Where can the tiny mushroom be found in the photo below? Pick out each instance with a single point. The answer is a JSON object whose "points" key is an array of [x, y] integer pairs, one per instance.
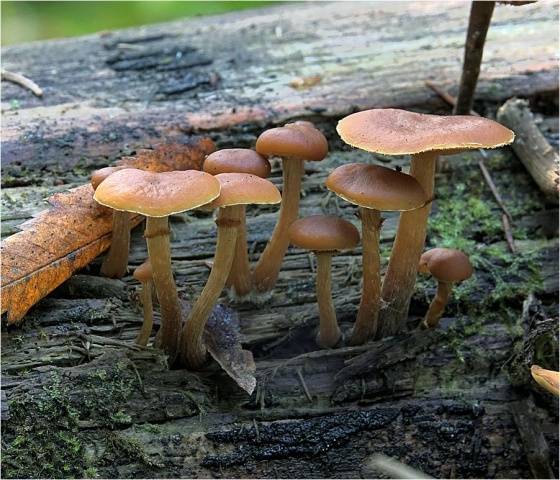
{"points": [[425, 137], [116, 261], [293, 143], [239, 160], [144, 275], [237, 190], [447, 266], [156, 196], [325, 235], [373, 188], [548, 379]]}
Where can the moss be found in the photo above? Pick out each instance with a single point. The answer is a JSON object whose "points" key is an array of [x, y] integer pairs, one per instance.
{"points": [[42, 438]]}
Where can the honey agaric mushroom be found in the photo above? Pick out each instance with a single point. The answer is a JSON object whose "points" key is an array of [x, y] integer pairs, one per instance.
{"points": [[373, 189], [548, 379], [237, 190], [156, 196], [115, 263], [447, 266], [144, 275], [238, 160], [425, 137], [325, 235], [293, 143]]}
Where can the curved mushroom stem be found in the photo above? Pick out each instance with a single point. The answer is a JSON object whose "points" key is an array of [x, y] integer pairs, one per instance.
{"points": [[270, 261], [435, 311], [147, 307], [400, 278], [366, 320], [329, 333], [116, 261], [240, 276], [157, 239], [193, 350]]}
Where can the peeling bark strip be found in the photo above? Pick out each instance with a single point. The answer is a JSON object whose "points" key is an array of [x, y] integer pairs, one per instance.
{"points": [[102, 98]]}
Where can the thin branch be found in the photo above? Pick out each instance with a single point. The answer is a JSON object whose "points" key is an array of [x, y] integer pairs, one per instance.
{"points": [[22, 81]]}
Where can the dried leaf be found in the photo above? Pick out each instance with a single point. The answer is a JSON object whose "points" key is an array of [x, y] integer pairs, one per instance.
{"points": [[57, 242], [548, 379], [224, 345]]}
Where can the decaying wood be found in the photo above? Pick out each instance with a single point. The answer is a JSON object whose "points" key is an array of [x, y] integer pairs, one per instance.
{"points": [[82, 398], [530, 145]]}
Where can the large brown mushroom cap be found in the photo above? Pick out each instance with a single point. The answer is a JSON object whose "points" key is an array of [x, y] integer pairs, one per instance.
{"points": [[375, 187], [237, 160], [157, 194], [446, 264], [143, 273], [399, 132], [244, 189], [299, 140], [324, 233], [98, 176]]}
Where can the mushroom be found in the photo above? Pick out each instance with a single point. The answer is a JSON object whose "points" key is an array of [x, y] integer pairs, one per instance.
{"points": [[447, 266], [293, 143], [373, 188], [144, 275], [548, 379], [325, 235], [115, 263], [239, 160], [156, 196], [398, 132], [237, 190]]}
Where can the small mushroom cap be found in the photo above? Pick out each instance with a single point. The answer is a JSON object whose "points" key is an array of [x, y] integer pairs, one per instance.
{"points": [[294, 140], [244, 189], [446, 265], [98, 176], [237, 160], [157, 194], [548, 379], [375, 187], [324, 233], [399, 132], [144, 272]]}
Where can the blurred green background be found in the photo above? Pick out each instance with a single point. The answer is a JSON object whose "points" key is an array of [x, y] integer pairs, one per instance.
{"points": [[27, 21]]}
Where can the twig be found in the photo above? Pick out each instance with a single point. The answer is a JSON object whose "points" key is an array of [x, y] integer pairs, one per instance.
{"points": [[22, 81], [506, 217], [304, 385]]}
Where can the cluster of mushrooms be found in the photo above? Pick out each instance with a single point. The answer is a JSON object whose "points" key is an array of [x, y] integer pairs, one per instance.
{"points": [[234, 178]]}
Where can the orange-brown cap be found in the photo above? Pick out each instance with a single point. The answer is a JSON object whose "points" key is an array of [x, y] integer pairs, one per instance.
{"points": [[548, 379], [294, 140], [324, 233], [446, 264], [375, 187], [398, 132], [144, 272], [237, 160], [244, 189], [98, 176], [157, 194]]}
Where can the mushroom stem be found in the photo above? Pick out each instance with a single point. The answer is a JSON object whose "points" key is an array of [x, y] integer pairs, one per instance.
{"points": [[157, 239], [329, 333], [270, 261], [116, 261], [193, 350], [367, 318], [147, 307], [479, 21], [400, 278], [240, 275], [435, 311]]}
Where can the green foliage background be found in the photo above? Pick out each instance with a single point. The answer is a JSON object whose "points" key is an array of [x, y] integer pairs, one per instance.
{"points": [[27, 21]]}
